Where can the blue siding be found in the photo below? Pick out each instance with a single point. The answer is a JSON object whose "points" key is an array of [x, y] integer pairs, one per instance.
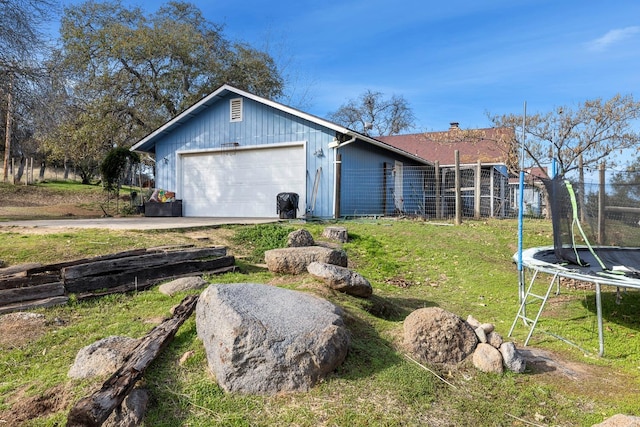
{"points": [[367, 182], [262, 125]]}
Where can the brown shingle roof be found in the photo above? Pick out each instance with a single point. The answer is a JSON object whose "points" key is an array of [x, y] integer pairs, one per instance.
{"points": [[473, 145]]}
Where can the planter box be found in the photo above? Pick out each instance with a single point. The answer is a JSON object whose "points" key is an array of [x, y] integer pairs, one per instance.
{"points": [[163, 209]]}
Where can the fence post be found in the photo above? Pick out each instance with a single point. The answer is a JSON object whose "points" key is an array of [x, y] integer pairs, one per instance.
{"points": [[458, 190], [476, 192], [601, 201], [338, 191], [385, 171], [436, 171]]}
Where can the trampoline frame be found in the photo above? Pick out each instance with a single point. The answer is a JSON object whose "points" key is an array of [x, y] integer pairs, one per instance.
{"points": [[556, 271]]}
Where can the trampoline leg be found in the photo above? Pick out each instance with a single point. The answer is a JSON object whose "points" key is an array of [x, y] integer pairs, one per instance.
{"points": [[521, 286], [599, 314]]}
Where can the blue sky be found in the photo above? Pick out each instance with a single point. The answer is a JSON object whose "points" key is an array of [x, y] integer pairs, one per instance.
{"points": [[452, 60]]}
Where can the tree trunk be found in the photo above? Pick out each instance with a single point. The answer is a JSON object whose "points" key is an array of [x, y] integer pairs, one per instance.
{"points": [[43, 166], [20, 171], [93, 410], [7, 142], [66, 169]]}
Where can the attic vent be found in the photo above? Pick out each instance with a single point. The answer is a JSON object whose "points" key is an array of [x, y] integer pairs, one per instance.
{"points": [[236, 109]]}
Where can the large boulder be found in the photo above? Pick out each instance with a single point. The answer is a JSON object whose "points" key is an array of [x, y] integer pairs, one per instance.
{"points": [[295, 260], [261, 339], [435, 335], [341, 279], [103, 357]]}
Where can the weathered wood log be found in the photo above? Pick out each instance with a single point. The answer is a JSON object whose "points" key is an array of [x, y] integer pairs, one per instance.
{"points": [[30, 305], [140, 287], [143, 276], [27, 293], [21, 280], [171, 247], [139, 262], [93, 410], [18, 269], [60, 265]]}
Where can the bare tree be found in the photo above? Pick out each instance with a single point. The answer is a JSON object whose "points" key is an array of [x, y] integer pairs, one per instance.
{"points": [[22, 44], [575, 138], [372, 114]]}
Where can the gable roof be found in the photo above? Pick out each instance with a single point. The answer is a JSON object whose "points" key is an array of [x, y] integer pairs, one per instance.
{"points": [[474, 145], [147, 143]]}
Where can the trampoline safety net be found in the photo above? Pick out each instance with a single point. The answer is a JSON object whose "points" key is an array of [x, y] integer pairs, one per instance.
{"points": [[582, 218]]}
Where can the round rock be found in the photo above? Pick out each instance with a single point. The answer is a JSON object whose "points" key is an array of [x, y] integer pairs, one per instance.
{"points": [[103, 357], [299, 238], [487, 358], [435, 335]]}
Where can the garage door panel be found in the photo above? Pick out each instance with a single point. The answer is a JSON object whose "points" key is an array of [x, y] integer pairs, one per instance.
{"points": [[242, 183]]}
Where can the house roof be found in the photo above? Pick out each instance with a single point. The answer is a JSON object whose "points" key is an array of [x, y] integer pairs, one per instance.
{"points": [[473, 145], [147, 144], [532, 175]]}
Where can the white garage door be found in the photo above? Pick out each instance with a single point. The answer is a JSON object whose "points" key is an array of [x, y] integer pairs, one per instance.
{"points": [[242, 183]]}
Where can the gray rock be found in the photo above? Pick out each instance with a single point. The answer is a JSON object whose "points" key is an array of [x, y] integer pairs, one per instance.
{"points": [[620, 420], [103, 357], [182, 284], [487, 358], [296, 260], [481, 334], [435, 335], [488, 327], [131, 412], [473, 322], [341, 279], [300, 238], [262, 339], [336, 233], [511, 358], [495, 339]]}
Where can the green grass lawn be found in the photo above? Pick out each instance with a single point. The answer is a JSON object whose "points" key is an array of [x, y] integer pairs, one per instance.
{"points": [[465, 269]]}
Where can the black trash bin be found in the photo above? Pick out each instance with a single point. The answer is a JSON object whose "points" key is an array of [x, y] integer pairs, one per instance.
{"points": [[287, 205]]}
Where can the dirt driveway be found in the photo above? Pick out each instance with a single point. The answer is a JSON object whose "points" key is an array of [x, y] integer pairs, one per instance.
{"points": [[134, 223]]}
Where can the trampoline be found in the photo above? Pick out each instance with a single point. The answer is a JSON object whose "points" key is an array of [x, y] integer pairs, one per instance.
{"points": [[623, 273], [573, 257]]}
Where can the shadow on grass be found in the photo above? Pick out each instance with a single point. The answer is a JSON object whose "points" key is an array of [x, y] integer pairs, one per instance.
{"points": [[392, 309], [621, 308], [369, 353]]}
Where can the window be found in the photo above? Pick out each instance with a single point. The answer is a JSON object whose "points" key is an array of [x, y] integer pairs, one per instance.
{"points": [[236, 109]]}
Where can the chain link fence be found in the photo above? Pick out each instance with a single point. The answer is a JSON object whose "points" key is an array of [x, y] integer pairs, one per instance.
{"points": [[609, 205], [430, 193]]}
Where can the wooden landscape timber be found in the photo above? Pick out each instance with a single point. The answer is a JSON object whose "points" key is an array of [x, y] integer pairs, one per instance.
{"points": [[94, 409], [38, 285]]}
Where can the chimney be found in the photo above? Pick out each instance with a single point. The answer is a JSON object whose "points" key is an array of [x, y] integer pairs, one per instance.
{"points": [[454, 126]]}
